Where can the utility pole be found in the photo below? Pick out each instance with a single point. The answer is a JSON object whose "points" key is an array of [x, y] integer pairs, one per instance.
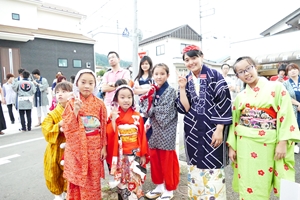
{"points": [[134, 42], [118, 36], [200, 25]]}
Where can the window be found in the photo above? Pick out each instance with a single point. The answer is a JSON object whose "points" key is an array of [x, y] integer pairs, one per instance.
{"points": [[160, 50], [15, 16], [182, 46], [77, 63], [62, 62]]}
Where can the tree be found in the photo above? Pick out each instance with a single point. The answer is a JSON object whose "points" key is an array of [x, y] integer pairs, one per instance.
{"points": [[101, 72]]}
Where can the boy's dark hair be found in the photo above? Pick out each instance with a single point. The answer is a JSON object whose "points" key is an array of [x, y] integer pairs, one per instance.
{"points": [[8, 76], [67, 86], [21, 70], [25, 74], [72, 78], [282, 67], [111, 52], [36, 71], [120, 82]]}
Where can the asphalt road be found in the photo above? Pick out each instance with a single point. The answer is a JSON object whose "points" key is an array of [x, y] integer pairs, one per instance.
{"points": [[21, 168]]}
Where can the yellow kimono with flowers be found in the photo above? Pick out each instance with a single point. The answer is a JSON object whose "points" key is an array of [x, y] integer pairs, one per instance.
{"points": [[53, 171], [262, 117]]}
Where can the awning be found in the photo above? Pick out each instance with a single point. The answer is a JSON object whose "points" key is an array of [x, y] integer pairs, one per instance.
{"points": [[278, 57]]}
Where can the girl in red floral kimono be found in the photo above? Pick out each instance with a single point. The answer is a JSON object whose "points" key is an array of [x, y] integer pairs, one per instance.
{"points": [[127, 145], [84, 125]]}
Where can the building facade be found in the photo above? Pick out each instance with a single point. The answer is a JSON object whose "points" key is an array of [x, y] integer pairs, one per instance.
{"points": [[37, 35]]}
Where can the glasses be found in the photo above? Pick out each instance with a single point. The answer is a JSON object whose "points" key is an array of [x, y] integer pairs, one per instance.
{"points": [[242, 72]]}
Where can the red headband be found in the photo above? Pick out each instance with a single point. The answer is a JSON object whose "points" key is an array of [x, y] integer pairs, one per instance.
{"points": [[190, 48]]}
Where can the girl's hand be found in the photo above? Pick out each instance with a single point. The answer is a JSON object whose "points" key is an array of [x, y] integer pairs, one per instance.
{"points": [[60, 124], [217, 137], [232, 155], [298, 107], [103, 153], [182, 81], [142, 160], [280, 151], [114, 112], [77, 105]]}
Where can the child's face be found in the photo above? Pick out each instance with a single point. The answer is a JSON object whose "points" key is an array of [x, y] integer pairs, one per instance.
{"points": [[86, 84], [160, 75], [125, 98], [62, 96], [145, 66]]}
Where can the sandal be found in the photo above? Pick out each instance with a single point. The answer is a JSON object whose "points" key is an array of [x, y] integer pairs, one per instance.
{"points": [[152, 195], [2, 133], [165, 198]]}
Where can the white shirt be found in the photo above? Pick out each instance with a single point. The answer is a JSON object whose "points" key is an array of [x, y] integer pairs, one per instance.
{"points": [[9, 94]]}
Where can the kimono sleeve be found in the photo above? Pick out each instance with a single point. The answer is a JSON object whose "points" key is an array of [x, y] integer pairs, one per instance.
{"points": [[142, 138], [165, 111], [71, 123], [44, 86], [232, 140], [286, 123], [221, 113], [50, 130]]}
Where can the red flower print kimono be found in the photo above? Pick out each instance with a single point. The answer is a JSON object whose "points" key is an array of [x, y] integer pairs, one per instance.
{"points": [[262, 117]]}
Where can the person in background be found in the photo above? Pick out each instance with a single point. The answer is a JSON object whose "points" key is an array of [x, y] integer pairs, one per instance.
{"points": [[281, 77], [9, 96], [20, 77], [55, 82], [72, 78], [51, 128], [40, 99], [205, 101], [230, 82], [25, 89], [2, 119], [292, 85], [143, 80], [110, 77], [262, 135]]}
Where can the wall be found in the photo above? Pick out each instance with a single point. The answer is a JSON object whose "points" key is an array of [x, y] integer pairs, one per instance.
{"points": [[43, 54], [27, 12]]}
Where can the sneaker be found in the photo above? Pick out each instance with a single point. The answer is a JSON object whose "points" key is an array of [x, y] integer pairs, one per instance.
{"points": [[2, 133], [296, 149], [20, 129]]}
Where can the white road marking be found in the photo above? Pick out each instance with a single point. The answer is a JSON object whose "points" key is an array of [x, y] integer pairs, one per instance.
{"points": [[6, 160], [17, 143]]}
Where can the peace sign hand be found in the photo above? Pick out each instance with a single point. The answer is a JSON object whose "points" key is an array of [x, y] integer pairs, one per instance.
{"points": [[182, 81]]}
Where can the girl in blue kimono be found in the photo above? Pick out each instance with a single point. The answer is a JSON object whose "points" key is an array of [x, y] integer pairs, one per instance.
{"points": [[204, 99]]}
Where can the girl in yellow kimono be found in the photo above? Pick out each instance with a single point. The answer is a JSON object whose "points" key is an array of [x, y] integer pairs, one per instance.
{"points": [[51, 125], [262, 135]]}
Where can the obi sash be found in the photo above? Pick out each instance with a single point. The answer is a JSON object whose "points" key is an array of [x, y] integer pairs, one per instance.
{"points": [[260, 118]]}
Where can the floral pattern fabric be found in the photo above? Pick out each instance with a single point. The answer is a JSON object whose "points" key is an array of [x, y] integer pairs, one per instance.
{"points": [[206, 183]]}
